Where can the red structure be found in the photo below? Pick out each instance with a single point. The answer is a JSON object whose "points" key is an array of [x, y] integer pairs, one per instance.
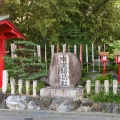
{"points": [[104, 59], [7, 31], [117, 60]]}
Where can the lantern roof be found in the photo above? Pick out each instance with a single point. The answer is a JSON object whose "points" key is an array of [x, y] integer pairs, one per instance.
{"points": [[104, 54], [118, 53], [4, 17], [8, 29]]}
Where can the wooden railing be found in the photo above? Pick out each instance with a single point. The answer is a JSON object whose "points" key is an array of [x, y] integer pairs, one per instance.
{"points": [[106, 86], [20, 85]]}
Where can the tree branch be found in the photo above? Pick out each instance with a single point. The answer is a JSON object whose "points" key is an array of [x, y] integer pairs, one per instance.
{"points": [[97, 9]]}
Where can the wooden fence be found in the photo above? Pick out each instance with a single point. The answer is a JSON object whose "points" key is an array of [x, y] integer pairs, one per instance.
{"points": [[20, 84], [106, 87], [97, 86], [64, 49]]}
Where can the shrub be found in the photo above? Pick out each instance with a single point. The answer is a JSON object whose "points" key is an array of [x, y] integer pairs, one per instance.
{"points": [[109, 76], [104, 97], [83, 80], [39, 86], [84, 72], [8, 89], [102, 78], [116, 68]]}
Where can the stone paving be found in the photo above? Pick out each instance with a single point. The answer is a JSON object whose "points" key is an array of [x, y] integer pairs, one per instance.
{"points": [[54, 115]]}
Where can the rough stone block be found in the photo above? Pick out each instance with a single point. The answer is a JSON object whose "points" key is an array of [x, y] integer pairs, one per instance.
{"points": [[52, 92], [68, 64]]}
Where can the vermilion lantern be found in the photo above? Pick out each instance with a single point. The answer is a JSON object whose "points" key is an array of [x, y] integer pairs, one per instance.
{"points": [[117, 60], [104, 58]]}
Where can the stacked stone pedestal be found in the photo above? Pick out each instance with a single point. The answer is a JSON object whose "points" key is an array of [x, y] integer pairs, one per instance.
{"points": [[52, 92], [64, 74]]}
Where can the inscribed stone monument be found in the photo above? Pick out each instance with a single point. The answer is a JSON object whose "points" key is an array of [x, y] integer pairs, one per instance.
{"points": [[64, 74]]}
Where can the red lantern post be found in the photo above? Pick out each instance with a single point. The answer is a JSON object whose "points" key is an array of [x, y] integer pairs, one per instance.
{"points": [[117, 60], [104, 59]]}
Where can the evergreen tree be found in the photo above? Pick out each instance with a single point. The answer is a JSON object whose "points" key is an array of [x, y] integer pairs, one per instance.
{"points": [[27, 65]]}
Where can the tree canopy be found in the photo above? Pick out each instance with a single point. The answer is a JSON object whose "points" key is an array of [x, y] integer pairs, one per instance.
{"points": [[65, 21]]}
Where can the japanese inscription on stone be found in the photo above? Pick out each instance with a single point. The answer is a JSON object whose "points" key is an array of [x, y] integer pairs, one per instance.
{"points": [[64, 70]]}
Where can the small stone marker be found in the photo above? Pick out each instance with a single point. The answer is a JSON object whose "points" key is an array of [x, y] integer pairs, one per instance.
{"points": [[115, 87], [5, 81], [88, 85], [27, 87], [34, 88], [97, 86], [12, 82], [20, 84], [106, 86]]}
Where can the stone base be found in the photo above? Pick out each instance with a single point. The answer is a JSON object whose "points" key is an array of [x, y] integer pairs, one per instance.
{"points": [[53, 92]]}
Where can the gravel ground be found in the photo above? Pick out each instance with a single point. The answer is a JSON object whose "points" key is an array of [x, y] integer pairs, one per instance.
{"points": [[54, 115]]}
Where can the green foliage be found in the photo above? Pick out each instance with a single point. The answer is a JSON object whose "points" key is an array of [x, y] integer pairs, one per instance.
{"points": [[23, 90], [31, 90], [84, 72], [104, 97], [102, 78], [116, 69], [39, 86], [0, 89], [83, 80], [26, 65], [65, 21], [8, 89], [109, 76]]}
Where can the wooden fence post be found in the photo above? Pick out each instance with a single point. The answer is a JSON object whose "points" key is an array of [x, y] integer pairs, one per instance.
{"points": [[88, 86], [34, 88], [12, 82], [115, 87], [97, 86], [20, 85], [106, 86], [27, 87], [5, 81]]}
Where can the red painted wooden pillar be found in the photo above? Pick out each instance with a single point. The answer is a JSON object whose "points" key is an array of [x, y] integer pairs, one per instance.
{"points": [[2, 52], [117, 60], [119, 72], [104, 59], [104, 67]]}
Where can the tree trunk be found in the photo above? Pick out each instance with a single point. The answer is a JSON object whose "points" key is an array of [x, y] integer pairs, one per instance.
{"points": [[1, 2]]}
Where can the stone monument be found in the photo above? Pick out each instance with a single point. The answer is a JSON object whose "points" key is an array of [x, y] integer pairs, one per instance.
{"points": [[64, 74]]}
